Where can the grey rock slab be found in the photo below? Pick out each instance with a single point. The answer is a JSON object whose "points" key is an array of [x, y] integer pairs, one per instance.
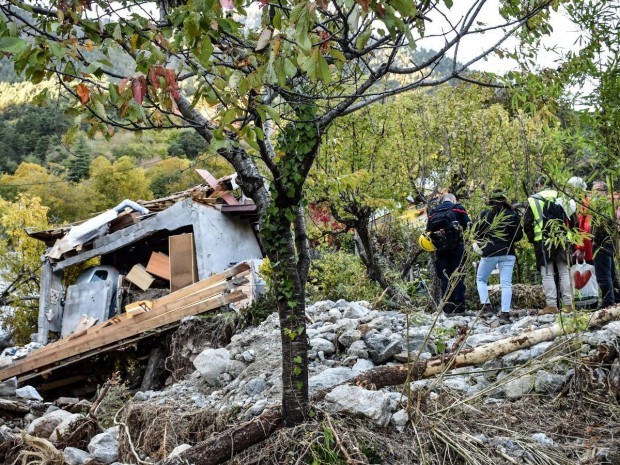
{"points": [[8, 387], [539, 349], [104, 447], [358, 349], [362, 365], [519, 387], [355, 311], [548, 383], [44, 426], [330, 377], [211, 363], [322, 345], [74, 456], [349, 337], [354, 400], [28, 393], [334, 314], [255, 386]]}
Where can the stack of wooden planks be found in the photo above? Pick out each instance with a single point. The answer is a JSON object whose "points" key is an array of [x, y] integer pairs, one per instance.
{"points": [[209, 294]]}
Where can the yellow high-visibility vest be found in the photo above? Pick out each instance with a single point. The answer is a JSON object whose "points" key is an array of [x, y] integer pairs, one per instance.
{"points": [[536, 203]]}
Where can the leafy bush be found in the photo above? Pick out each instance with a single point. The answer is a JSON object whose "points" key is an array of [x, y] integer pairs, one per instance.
{"points": [[339, 275]]}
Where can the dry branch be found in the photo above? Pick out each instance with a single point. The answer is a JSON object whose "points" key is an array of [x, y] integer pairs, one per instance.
{"points": [[225, 445]]}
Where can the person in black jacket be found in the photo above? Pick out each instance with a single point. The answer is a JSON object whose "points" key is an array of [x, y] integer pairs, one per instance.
{"points": [[448, 261], [604, 248], [496, 232]]}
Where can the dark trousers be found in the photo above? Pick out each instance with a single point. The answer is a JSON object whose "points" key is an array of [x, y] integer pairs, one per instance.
{"points": [[606, 277], [446, 263]]}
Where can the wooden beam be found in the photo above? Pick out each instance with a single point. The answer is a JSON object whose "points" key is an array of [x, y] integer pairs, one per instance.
{"points": [[226, 197], [113, 334]]}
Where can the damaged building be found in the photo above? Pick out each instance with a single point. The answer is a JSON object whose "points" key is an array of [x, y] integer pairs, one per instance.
{"points": [[142, 266]]}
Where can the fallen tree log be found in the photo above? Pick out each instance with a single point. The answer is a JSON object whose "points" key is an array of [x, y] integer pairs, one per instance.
{"points": [[222, 446]]}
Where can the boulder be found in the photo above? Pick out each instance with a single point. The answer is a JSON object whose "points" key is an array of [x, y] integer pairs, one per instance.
{"points": [[358, 349], [319, 344], [28, 393], [330, 377], [354, 400], [74, 456], [400, 419], [381, 348], [349, 337], [104, 447], [211, 363], [548, 383], [255, 386], [519, 387], [362, 365], [44, 426], [355, 311], [8, 387], [65, 427]]}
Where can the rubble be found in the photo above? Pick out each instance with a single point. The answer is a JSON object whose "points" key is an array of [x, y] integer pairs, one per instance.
{"points": [[243, 379]]}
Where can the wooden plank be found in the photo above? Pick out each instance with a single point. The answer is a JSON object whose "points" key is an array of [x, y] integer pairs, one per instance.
{"points": [[159, 265], [161, 304], [114, 334], [140, 277], [182, 261], [226, 197]]}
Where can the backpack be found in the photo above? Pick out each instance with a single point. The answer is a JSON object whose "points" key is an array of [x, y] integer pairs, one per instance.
{"points": [[551, 210], [445, 230]]}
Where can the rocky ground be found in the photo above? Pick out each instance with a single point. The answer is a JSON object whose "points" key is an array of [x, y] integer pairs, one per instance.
{"points": [[239, 381]]}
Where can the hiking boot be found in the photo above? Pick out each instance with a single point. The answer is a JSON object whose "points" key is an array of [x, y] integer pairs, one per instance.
{"points": [[487, 311], [504, 318], [549, 310]]}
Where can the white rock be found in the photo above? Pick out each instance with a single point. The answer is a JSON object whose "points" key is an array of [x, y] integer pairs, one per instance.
{"points": [[543, 439], [29, 393], [104, 447], [178, 450], [44, 426], [354, 400], [362, 365], [211, 363], [355, 311], [400, 419], [65, 427], [322, 345], [330, 377]]}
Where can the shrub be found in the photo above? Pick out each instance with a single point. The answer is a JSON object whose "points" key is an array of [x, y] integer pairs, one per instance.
{"points": [[339, 275]]}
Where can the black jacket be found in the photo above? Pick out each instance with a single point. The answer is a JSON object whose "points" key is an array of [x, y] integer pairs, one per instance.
{"points": [[501, 239]]}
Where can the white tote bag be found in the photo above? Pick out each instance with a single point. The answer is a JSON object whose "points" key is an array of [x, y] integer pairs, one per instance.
{"points": [[585, 287]]}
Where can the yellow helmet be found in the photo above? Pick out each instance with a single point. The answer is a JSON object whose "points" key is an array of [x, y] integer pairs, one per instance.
{"points": [[425, 243]]}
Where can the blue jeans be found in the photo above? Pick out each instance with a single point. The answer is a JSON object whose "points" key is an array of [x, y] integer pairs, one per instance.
{"points": [[505, 263], [447, 263]]}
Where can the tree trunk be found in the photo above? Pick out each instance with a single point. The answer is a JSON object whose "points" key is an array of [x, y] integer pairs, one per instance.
{"points": [[371, 261], [258, 430], [289, 287]]}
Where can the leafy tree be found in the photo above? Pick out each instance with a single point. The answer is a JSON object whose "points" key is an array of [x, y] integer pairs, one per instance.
{"points": [[20, 262], [188, 144], [307, 64], [115, 182], [66, 201]]}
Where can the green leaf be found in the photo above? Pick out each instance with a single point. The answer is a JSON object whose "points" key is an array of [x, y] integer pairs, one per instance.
{"points": [[12, 44], [362, 40], [297, 359]]}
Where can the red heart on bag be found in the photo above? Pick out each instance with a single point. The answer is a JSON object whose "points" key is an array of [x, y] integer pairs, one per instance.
{"points": [[581, 279]]}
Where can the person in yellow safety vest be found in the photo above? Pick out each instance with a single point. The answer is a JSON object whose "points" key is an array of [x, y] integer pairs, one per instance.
{"points": [[542, 207]]}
